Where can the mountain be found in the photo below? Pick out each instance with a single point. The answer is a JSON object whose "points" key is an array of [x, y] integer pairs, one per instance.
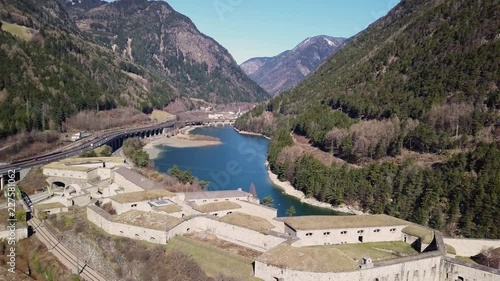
{"points": [[82, 4], [153, 35], [284, 71], [61, 58], [403, 120]]}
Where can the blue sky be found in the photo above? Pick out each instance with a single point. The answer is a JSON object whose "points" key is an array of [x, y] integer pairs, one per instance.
{"points": [[257, 28], [254, 28]]}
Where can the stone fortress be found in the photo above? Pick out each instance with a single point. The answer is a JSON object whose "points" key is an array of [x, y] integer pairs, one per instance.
{"points": [[364, 247]]}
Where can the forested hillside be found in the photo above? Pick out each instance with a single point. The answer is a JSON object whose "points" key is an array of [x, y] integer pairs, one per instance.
{"points": [[421, 81], [50, 69], [152, 34]]}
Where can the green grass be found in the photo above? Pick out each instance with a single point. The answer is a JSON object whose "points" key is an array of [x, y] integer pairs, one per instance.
{"points": [[213, 261], [45, 206], [337, 258], [450, 249], [315, 259], [377, 251], [426, 235], [17, 30], [466, 259], [247, 221]]}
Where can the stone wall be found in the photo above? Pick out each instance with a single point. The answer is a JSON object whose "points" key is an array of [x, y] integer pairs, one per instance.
{"points": [[82, 200], [471, 247], [461, 270], [102, 219], [202, 201], [126, 184], [104, 173], [92, 174], [21, 233], [257, 210], [346, 235], [234, 234], [124, 207], [51, 172], [250, 209], [427, 269]]}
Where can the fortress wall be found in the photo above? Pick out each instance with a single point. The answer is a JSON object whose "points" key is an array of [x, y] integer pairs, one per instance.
{"points": [[51, 172], [257, 210], [21, 233], [124, 207], [335, 236], [127, 185], [427, 269], [92, 174], [104, 173], [98, 218], [138, 233], [234, 234], [471, 247], [202, 201], [103, 220], [456, 269]]}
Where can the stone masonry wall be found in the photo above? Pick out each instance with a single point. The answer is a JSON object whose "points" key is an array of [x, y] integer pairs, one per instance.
{"points": [[235, 234], [471, 247]]}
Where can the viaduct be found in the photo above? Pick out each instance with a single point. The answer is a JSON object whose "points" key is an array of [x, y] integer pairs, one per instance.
{"points": [[18, 169]]}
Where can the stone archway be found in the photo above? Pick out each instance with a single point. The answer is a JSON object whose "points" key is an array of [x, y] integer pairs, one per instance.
{"points": [[58, 185], [72, 189]]}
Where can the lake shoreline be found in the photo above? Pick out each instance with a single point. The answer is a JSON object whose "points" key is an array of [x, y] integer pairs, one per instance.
{"points": [[290, 190], [250, 133], [153, 145]]}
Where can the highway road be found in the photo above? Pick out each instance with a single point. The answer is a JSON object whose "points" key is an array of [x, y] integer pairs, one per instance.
{"points": [[90, 144]]}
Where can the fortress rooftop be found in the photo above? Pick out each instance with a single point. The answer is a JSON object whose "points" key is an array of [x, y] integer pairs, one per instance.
{"points": [[215, 194], [147, 220], [137, 179], [140, 196], [217, 206], [334, 258], [333, 222]]}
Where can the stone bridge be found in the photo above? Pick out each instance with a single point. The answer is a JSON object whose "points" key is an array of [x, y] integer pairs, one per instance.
{"points": [[219, 122]]}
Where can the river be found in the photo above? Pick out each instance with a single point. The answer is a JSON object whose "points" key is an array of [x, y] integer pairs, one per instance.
{"points": [[236, 163]]}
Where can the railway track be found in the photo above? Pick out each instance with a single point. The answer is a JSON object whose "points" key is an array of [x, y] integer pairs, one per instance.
{"points": [[63, 254]]}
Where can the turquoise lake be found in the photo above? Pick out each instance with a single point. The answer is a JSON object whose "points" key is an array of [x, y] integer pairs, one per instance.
{"points": [[236, 163]]}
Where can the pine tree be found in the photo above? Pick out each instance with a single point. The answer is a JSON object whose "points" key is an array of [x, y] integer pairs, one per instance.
{"points": [[291, 211]]}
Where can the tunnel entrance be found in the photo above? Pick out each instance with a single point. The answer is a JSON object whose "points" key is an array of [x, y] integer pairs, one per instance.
{"points": [[58, 185]]}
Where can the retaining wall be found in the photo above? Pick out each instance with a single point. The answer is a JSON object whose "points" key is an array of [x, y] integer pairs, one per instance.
{"points": [[232, 233], [471, 247]]}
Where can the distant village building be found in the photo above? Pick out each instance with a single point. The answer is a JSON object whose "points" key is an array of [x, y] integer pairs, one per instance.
{"points": [[216, 116], [76, 136]]}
